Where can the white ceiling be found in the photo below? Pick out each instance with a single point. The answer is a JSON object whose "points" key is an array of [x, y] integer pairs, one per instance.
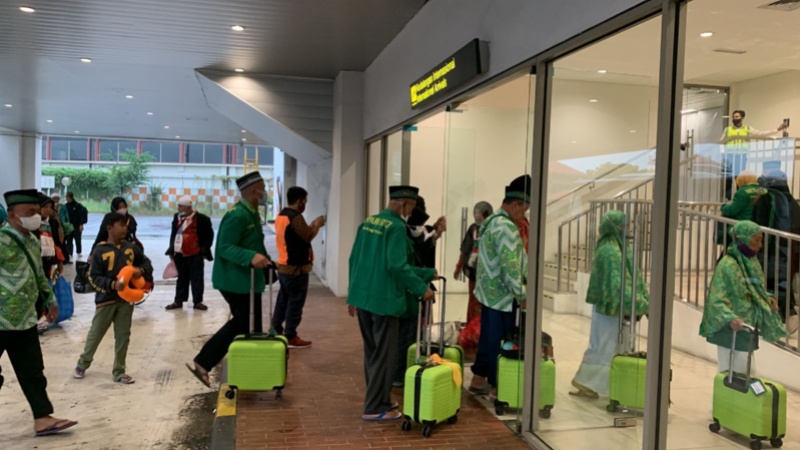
{"points": [[151, 48]]}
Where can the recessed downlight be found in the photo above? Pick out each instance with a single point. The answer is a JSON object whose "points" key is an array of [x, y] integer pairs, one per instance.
{"points": [[238, 70], [237, 28], [49, 120], [706, 34], [166, 127], [27, 9], [86, 60], [244, 131], [244, 140], [149, 113], [129, 97], [633, 131], [594, 100], [602, 71], [8, 105], [177, 137], [77, 132]]}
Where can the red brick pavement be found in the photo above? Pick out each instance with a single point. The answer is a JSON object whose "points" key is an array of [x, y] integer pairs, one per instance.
{"points": [[322, 402]]}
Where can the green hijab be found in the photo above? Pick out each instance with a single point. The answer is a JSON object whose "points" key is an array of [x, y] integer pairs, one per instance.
{"points": [[604, 283]]}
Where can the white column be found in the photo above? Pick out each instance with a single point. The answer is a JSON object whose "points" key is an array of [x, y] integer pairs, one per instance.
{"points": [[346, 204]]}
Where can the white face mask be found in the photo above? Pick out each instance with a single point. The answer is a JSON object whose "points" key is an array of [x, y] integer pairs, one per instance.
{"points": [[31, 223], [416, 231], [123, 211]]}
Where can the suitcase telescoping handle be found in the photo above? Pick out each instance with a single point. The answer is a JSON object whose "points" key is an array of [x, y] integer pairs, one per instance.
{"points": [[252, 327], [632, 331], [423, 328], [441, 318], [752, 332]]}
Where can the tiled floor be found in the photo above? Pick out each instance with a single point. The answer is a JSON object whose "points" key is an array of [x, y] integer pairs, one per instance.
{"points": [[322, 403]]}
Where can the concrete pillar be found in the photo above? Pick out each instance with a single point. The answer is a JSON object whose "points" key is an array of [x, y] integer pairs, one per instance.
{"points": [[346, 204], [31, 162], [22, 161]]}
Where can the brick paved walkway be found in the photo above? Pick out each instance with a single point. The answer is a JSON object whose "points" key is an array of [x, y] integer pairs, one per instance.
{"points": [[322, 403]]}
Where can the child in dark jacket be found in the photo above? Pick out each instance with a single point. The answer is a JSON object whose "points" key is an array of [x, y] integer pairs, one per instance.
{"points": [[108, 259]]}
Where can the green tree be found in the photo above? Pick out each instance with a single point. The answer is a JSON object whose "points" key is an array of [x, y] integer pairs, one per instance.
{"points": [[126, 176]]}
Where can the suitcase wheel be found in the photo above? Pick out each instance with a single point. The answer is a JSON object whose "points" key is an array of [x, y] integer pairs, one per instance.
{"points": [[427, 431], [613, 406], [755, 445], [278, 394], [545, 413], [230, 394], [776, 443], [452, 420], [406, 425], [714, 427], [500, 407]]}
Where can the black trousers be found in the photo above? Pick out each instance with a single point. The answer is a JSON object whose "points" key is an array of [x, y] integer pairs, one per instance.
{"points": [[406, 336], [25, 355], [217, 347], [73, 241], [380, 349], [191, 270], [289, 307]]}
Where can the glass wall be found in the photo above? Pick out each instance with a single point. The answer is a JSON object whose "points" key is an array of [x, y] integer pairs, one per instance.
{"points": [[374, 178], [602, 137]]}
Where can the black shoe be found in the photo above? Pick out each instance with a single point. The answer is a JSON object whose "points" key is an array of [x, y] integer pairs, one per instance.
{"points": [[173, 305], [201, 307]]}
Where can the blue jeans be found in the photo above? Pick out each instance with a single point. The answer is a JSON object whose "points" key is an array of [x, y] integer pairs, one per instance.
{"points": [[495, 326], [289, 307]]}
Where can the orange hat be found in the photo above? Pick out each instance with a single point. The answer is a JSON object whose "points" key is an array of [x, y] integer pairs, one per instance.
{"points": [[135, 288]]}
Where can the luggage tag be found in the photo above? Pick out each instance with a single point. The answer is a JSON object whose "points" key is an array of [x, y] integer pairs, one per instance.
{"points": [[758, 388]]}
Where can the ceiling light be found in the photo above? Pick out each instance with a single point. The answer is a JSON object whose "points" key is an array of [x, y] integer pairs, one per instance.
{"points": [[86, 60], [27, 9], [49, 120], [594, 100], [166, 127], [244, 131], [706, 34], [633, 131], [602, 71], [8, 105], [244, 140], [129, 97], [238, 70], [237, 28], [77, 132], [574, 142], [177, 137], [688, 111], [149, 113]]}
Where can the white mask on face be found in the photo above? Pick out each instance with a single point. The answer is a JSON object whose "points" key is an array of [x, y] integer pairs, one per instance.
{"points": [[416, 231], [123, 211], [31, 223]]}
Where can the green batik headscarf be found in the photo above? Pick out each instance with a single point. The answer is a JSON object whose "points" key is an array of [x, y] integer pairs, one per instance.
{"points": [[604, 284], [738, 291]]}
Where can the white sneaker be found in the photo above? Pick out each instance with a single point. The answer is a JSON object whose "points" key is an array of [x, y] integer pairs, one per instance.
{"points": [[80, 255]]}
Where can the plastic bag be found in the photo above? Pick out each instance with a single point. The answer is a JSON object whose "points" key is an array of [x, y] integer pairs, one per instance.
{"points": [[81, 282], [170, 271], [63, 293], [469, 336]]}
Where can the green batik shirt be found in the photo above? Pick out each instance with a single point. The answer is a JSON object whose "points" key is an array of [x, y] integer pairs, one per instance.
{"points": [[501, 263], [19, 284]]}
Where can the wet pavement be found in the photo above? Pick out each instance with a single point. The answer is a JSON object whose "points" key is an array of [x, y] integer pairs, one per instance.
{"points": [[165, 409]]}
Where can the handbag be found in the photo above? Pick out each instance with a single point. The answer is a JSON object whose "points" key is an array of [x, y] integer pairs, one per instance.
{"points": [[81, 283], [170, 271], [63, 293]]}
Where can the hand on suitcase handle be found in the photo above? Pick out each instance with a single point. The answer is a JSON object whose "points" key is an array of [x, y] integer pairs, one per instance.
{"points": [[260, 261]]}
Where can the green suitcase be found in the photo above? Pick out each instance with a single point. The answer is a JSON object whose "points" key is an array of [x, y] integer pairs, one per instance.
{"points": [[627, 381], [431, 394], [510, 376], [257, 362], [750, 406], [452, 353]]}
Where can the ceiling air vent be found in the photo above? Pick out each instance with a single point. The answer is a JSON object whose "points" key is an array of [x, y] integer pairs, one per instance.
{"points": [[731, 51], [782, 5]]}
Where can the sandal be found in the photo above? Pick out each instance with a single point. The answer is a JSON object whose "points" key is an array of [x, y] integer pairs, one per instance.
{"points": [[126, 379], [57, 427], [389, 415], [202, 377], [585, 394], [485, 390]]}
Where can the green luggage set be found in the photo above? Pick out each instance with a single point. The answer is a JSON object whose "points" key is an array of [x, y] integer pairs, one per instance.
{"points": [[257, 362], [750, 406], [511, 376], [431, 395]]}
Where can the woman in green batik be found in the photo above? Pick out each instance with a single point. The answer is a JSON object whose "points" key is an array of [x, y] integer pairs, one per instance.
{"points": [[605, 289], [738, 296]]}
